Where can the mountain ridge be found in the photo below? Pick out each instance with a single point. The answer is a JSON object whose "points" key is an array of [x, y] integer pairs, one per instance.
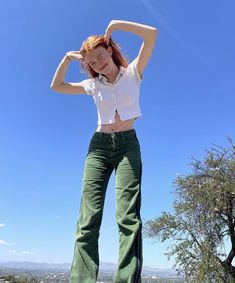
{"points": [[104, 266]]}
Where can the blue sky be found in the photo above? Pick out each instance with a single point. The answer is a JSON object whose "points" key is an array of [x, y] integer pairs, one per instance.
{"points": [[187, 101]]}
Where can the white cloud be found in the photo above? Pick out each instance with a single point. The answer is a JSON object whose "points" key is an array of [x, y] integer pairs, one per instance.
{"points": [[4, 243], [28, 253], [11, 252], [20, 255], [2, 225]]}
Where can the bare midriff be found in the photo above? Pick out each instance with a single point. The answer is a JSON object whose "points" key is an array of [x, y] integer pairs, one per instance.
{"points": [[117, 126]]}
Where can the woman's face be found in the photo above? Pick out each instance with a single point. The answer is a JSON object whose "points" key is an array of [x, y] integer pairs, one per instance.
{"points": [[100, 60]]}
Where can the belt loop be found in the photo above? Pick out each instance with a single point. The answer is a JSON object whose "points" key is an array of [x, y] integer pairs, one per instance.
{"points": [[100, 136], [123, 136]]}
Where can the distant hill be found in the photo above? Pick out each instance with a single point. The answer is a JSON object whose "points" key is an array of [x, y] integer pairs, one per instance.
{"points": [[104, 267]]}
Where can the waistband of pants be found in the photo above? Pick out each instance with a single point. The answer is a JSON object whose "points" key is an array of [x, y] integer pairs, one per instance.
{"points": [[115, 135]]}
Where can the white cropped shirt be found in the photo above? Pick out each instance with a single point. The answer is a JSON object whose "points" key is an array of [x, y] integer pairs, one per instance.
{"points": [[122, 95]]}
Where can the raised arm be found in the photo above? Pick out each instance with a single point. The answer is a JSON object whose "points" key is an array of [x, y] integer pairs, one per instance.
{"points": [[58, 84], [148, 33]]}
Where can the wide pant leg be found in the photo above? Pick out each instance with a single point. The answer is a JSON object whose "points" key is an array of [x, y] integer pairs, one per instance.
{"points": [[128, 200], [119, 151], [86, 258]]}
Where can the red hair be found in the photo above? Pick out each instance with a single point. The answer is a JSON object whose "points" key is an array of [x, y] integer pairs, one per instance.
{"points": [[95, 41]]}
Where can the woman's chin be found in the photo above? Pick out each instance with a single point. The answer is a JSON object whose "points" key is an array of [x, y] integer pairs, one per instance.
{"points": [[106, 71]]}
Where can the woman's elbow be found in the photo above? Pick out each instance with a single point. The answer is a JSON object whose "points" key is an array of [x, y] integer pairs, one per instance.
{"points": [[151, 37], [154, 32], [54, 87]]}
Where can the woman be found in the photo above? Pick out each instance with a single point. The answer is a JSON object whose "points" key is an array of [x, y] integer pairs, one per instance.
{"points": [[114, 85]]}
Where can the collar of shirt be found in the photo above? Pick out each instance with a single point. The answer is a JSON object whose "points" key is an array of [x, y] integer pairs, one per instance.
{"points": [[104, 80]]}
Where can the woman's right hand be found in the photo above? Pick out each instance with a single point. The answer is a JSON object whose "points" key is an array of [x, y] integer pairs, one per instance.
{"points": [[75, 55]]}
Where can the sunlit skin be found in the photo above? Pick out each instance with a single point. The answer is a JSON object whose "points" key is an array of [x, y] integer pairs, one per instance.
{"points": [[100, 60], [113, 96]]}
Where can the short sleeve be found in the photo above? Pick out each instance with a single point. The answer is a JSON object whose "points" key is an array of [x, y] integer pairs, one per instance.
{"points": [[88, 86], [134, 71]]}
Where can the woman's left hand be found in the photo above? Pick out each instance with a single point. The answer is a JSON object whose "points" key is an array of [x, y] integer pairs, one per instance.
{"points": [[109, 31]]}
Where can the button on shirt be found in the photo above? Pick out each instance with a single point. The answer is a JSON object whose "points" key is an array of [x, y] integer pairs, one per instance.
{"points": [[122, 95]]}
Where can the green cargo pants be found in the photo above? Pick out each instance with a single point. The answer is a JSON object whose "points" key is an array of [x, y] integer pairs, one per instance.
{"points": [[119, 151]]}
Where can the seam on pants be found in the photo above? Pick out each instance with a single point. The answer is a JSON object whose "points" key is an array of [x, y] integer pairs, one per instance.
{"points": [[139, 235]]}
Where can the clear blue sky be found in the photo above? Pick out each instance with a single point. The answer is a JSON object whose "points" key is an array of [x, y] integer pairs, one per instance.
{"points": [[187, 101]]}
